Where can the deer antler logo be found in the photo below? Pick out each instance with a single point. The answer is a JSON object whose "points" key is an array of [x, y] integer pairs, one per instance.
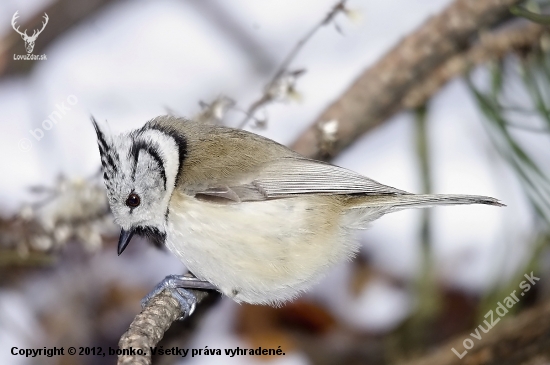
{"points": [[29, 40]]}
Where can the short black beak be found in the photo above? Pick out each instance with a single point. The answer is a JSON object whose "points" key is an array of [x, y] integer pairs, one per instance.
{"points": [[124, 240]]}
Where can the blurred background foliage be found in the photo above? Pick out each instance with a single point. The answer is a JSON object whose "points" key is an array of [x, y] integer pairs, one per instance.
{"points": [[58, 285]]}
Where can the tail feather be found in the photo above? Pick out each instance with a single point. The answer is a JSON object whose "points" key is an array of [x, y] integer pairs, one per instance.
{"points": [[366, 209], [429, 200]]}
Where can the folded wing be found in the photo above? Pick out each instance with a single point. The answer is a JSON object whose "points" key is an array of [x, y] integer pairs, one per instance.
{"points": [[292, 176]]}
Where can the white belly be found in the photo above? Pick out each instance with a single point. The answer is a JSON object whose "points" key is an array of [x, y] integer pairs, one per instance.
{"points": [[258, 252]]}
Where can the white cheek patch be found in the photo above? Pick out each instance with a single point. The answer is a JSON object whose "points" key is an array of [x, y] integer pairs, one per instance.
{"points": [[168, 149]]}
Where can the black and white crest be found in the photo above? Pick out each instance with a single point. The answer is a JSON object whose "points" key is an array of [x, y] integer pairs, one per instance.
{"points": [[109, 157]]}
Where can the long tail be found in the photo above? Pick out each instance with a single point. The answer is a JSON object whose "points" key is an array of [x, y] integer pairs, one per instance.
{"points": [[365, 209], [430, 200]]}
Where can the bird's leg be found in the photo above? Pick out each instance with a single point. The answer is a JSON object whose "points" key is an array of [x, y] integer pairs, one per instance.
{"points": [[177, 285]]}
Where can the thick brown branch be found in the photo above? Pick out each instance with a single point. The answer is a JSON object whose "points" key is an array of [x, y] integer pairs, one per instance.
{"points": [[149, 327], [379, 91], [492, 46], [524, 339]]}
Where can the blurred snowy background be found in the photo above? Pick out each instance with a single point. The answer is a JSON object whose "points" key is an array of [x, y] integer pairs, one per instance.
{"points": [[131, 61]]}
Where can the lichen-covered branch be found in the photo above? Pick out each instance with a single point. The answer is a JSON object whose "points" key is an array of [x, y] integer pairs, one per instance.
{"points": [[148, 328], [378, 92]]}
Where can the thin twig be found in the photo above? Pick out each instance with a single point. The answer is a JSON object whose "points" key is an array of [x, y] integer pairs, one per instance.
{"points": [[534, 17], [336, 9], [236, 33], [283, 68]]}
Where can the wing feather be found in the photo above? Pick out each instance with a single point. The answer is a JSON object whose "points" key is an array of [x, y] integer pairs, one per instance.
{"points": [[291, 176]]}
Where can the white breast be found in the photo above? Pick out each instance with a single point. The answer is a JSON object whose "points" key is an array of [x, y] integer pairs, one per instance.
{"points": [[258, 252]]}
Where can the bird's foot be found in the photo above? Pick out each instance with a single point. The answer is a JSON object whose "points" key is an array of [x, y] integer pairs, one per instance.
{"points": [[177, 285]]}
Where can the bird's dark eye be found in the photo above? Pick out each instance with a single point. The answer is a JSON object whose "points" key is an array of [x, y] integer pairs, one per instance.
{"points": [[133, 200]]}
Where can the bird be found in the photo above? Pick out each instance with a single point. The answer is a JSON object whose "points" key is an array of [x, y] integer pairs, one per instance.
{"points": [[246, 215]]}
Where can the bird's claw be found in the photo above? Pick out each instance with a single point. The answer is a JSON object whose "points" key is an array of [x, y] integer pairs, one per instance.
{"points": [[175, 284]]}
